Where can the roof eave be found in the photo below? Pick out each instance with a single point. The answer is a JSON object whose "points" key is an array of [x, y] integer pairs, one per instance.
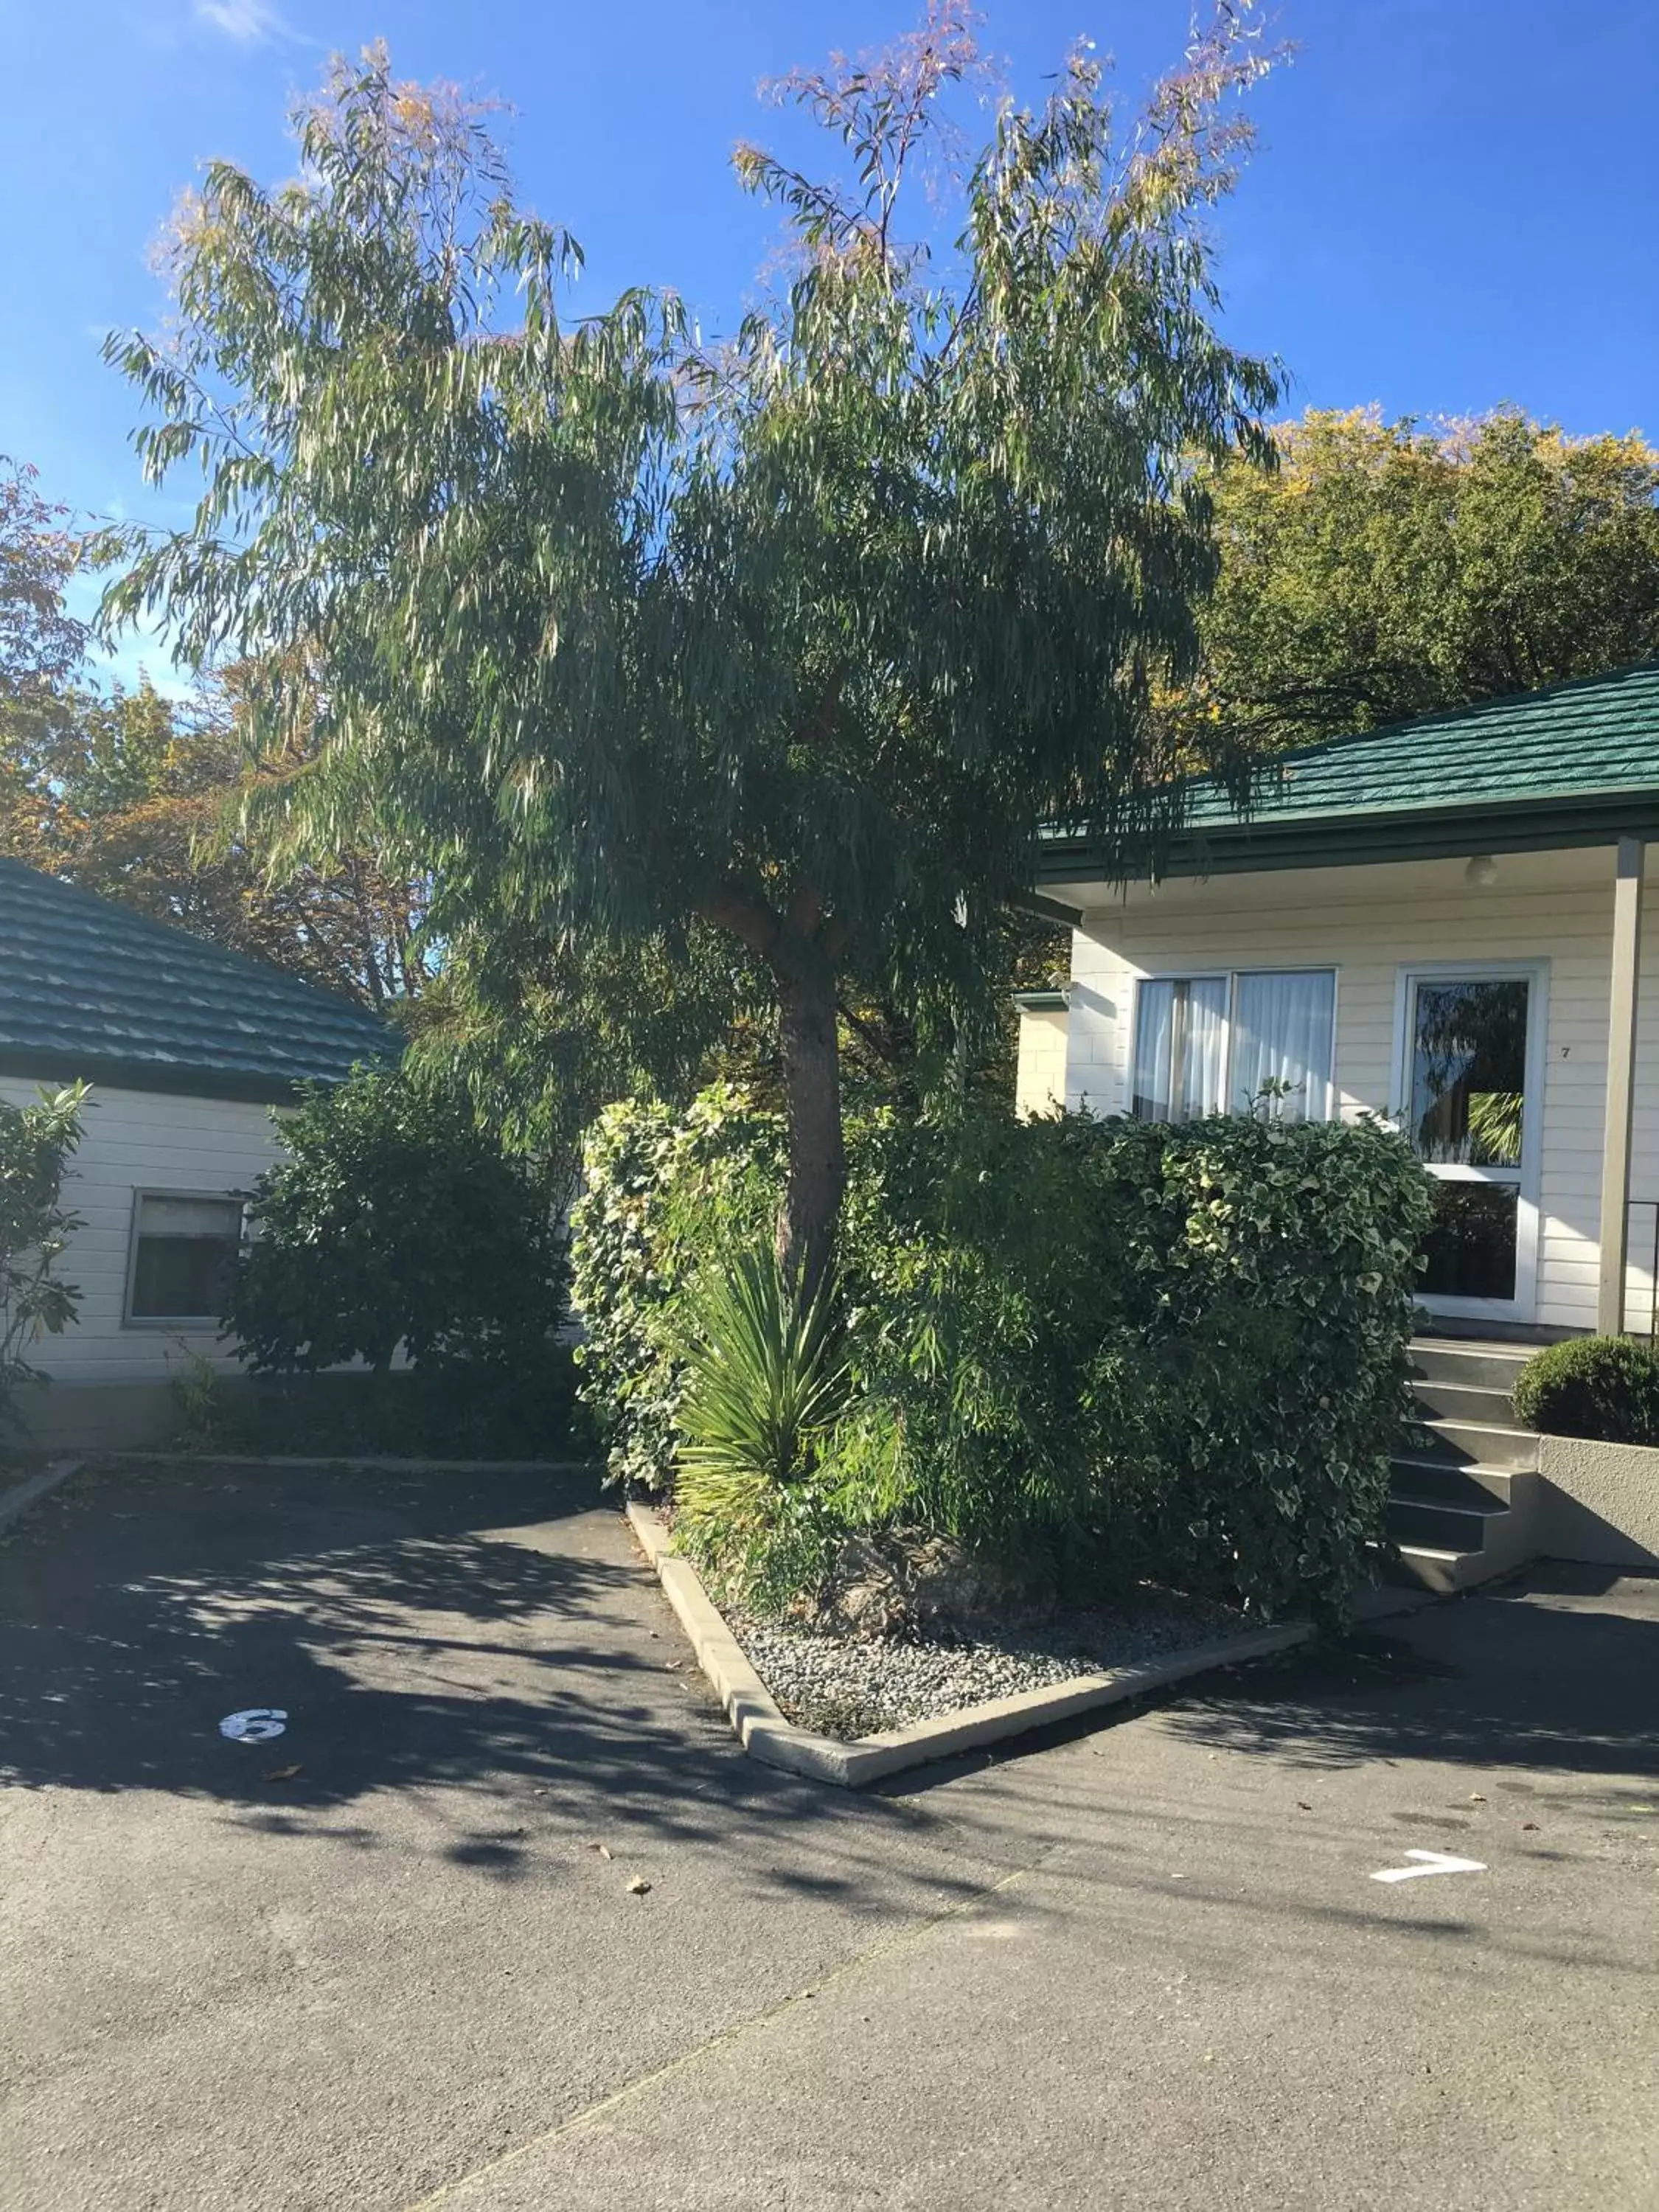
{"points": [[1530, 825], [43, 1064]]}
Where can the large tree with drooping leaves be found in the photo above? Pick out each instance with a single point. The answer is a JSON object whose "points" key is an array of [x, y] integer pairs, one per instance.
{"points": [[1388, 569], [796, 639]]}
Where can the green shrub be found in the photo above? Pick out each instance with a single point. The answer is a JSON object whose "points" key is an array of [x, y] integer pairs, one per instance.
{"points": [[451, 1410], [1606, 1388], [658, 1192], [765, 1383], [1120, 1346], [395, 1219], [765, 1379], [36, 1143], [1088, 1347]]}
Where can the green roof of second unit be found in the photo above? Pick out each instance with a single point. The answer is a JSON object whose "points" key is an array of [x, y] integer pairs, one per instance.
{"points": [[88, 988], [1574, 764]]}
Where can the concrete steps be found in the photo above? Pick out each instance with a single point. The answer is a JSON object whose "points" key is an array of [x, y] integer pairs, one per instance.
{"points": [[1464, 1477]]}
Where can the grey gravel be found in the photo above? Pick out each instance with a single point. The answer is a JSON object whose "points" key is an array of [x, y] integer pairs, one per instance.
{"points": [[850, 1686]]}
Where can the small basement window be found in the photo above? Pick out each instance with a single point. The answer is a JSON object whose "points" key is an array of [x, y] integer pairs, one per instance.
{"points": [[183, 1251]]}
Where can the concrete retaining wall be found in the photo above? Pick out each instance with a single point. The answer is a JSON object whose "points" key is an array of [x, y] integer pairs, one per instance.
{"points": [[1598, 1502]]}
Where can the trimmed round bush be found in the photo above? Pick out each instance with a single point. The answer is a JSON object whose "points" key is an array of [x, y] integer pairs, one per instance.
{"points": [[1602, 1388]]}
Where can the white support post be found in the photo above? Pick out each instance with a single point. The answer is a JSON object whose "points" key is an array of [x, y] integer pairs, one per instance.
{"points": [[1622, 1000]]}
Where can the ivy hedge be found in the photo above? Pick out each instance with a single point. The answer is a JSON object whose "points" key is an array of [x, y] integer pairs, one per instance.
{"points": [[1092, 1348]]}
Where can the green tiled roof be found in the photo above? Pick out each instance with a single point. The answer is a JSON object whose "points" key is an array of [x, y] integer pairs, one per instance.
{"points": [[1577, 763], [89, 989], [1601, 734]]}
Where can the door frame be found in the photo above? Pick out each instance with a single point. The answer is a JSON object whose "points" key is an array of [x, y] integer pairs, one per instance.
{"points": [[1523, 1306]]}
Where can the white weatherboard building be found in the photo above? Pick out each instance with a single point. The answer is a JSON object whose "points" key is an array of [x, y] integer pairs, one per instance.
{"points": [[187, 1048], [1443, 922]]}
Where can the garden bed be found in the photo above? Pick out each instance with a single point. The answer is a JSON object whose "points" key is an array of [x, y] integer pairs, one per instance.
{"points": [[767, 1732], [847, 1686]]}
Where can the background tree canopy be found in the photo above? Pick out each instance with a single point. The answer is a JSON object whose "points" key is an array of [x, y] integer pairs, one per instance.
{"points": [[1386, 570], [796, 640], [141, 798]]}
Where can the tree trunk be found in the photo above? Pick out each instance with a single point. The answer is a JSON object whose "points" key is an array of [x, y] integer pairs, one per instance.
{"points": [[801, 947], [811, 1089]]}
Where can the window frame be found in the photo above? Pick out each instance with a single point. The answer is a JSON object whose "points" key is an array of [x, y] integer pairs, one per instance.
{"points": [[175, 1321], [1232, 978]]}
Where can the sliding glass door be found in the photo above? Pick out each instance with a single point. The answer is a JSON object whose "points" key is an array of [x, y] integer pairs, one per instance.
{"points": [[1471, 1080]]}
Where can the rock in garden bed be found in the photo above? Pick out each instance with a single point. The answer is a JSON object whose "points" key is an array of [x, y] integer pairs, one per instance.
{"points": [[848, 1686]]}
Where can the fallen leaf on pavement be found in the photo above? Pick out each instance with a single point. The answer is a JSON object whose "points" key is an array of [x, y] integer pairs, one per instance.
{"points": [[1525, 1825], [638, 1886], [1301, 1807], [281, 1773], [604, 1850]]}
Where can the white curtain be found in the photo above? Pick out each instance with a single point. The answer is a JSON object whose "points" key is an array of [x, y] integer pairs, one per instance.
{"points": [[1181, 1047], [1154, 1009], [1282, 1035], [1206, 1056]]}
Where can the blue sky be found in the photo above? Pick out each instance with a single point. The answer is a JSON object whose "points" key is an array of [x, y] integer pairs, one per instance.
{"points": [[1456, 202]]}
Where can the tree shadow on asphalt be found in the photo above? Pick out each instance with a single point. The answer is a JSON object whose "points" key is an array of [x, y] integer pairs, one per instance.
{"points": [[412, 1642], [1536, 1675], [1555, 1675]]}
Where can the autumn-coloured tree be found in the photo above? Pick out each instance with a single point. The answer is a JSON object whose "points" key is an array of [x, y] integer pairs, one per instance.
{"points": [[142, 798], [41, 644]]}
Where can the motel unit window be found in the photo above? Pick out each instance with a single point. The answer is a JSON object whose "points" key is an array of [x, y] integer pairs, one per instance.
{"points": [[1216, 1044], [184, 1250]]}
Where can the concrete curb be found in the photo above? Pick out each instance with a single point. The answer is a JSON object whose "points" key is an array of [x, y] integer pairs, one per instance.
{"points": [[16, 1501], [766, 1734], [382, 1460]]}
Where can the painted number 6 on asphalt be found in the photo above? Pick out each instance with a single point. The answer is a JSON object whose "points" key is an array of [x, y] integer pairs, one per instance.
{"points": [[257, 1725]]}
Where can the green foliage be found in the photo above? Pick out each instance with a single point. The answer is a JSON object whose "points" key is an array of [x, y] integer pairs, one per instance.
{"points": [[1606, 1388], [658, 1189], [1386, 570], [765, 1378], [395, 1219], [800, 638], [36, 1143], [205, 1420], [138, 797], [41, 642], [1176, 1350], [766, 1381], [542, 1036], [1090, 1348], [446, 1409]]}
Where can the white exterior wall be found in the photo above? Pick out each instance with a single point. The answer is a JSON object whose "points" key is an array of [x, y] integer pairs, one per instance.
{"points": [[140, 1140], [1370, 923], [1040, 1072]]}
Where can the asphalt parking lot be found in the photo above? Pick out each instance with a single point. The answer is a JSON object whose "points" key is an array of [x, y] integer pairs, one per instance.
{"points": [[398, 1956]]}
